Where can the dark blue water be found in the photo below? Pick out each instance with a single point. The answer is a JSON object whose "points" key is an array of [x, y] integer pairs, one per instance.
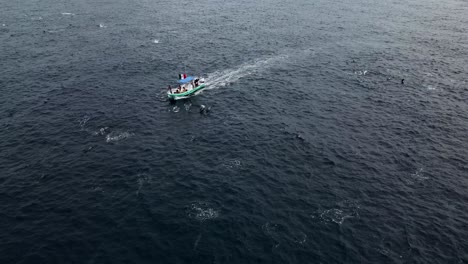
{"points": [[314, 151]]}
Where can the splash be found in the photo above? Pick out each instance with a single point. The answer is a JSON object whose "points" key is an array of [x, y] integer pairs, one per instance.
{"points": [[344, 210], [336, 215], [83, 122], [116, 136], [155, 41], [67, 14], [359, 73], [202, 211], [415, 178], [102, 131], [231, 163], [419, 176]]}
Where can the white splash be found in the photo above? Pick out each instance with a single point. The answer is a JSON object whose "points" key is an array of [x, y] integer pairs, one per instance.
{"points": [[116, 136], [83, 122], [419, 176], [359, 73], [175, 109], [67, 14], [155, 41], [231, 163], [202, 212], [415, 178], [102, 131], [335, 215], [102, 26]]}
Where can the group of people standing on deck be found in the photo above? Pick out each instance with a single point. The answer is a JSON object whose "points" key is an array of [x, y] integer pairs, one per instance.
{"points": [[183, 89]]}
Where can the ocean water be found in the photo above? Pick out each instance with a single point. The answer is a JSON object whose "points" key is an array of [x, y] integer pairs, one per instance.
{"points": [[314, 148]]}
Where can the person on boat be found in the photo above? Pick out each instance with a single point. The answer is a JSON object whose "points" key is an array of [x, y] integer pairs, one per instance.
{"points": [[177, 91], [196, 82], [170, 89]]}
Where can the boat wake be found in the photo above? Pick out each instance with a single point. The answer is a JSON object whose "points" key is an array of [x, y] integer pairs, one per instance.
{"points": [[220, 79]]}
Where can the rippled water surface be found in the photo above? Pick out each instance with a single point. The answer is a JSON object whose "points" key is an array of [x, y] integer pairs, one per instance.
{"points": [[314, 148]]}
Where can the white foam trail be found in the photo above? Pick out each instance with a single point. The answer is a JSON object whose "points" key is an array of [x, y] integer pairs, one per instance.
{"points": [[220, 79], [67, 14]]}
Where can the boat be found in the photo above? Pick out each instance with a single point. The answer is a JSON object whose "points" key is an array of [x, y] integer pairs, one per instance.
{"points": [[187, 86]]}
